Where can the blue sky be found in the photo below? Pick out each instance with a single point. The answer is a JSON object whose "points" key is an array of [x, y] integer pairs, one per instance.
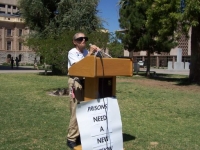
{"points": [[109, 11]]}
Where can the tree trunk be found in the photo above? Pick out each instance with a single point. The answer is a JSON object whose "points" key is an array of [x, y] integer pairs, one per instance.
{"points": [[131, 54], [195, 55], [131, 57], [148, 62]]}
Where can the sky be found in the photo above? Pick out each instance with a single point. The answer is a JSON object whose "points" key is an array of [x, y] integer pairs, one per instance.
{"points": [[108, 11]]}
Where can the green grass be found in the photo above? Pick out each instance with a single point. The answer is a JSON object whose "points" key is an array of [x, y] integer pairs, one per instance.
{"points": [[31, 119], [170, 117]]}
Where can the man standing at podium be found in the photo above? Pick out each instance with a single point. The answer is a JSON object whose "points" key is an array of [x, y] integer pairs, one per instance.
{"points": [[75, 85]]}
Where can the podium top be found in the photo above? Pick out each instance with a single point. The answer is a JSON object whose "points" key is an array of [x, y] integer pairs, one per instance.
{"points": [[92, 66]]}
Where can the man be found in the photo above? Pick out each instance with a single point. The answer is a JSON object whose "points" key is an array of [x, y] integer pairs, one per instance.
{"points": [[12, 62], [35, 64], [76, 84], [17, 62]]}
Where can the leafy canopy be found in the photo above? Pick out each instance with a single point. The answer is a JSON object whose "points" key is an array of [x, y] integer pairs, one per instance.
{"points": [[148, 24], [53, 24]]}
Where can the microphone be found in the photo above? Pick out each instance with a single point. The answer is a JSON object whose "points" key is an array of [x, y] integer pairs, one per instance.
{"points": [[97, 50], [101, 53]]}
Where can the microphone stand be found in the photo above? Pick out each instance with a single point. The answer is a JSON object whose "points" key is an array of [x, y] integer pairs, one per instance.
{"points": [[101, 53]]}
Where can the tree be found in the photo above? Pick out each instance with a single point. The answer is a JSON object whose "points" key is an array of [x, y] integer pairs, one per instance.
{"points": [[55, 49], [79, 15], [54, 22], [142, 27], [185, 15], [114, 46], [163, 21], [195, 55], [38, 13], [191, 18], [60, 14]]}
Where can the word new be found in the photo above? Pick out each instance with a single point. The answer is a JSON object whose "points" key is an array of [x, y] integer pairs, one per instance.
{"points": [[102, 139]]}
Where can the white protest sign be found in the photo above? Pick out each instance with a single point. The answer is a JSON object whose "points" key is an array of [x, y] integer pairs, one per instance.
{"points": [[100, 124]]}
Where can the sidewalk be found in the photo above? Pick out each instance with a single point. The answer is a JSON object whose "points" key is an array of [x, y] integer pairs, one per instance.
{"points": [[166, 71], [30, 69], [20, 69]]}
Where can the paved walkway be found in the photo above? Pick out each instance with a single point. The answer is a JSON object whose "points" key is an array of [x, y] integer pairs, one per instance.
{"points": [[166, 71], [20, 69], [30, 69]]}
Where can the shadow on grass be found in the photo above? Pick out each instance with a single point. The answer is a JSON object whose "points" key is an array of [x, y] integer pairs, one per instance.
{"points": [[45, 74], [166, 78], [180, 80], [15, 68], [128, 137], [49, 73]]}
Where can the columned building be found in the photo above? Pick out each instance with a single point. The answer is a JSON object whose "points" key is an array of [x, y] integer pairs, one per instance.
{"points": [[13, 31]]}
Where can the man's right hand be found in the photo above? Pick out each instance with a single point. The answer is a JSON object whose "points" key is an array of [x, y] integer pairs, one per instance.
{"points": [[93, 49]]}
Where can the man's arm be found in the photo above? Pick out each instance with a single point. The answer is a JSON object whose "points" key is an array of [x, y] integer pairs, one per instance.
{"points": [[72, 58]]}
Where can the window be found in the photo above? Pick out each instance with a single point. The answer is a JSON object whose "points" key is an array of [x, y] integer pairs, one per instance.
{"points": [[9, 32], [2, 5], [8, 45], [20, 46], [9, 6], [20, 32], [14, 7]]}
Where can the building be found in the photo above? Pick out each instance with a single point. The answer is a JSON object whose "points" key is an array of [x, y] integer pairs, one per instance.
{"points": [[13, 31], [162, 59]]}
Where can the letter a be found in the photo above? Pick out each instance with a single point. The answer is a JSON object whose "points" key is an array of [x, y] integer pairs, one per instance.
{"points": [[101, 129]]}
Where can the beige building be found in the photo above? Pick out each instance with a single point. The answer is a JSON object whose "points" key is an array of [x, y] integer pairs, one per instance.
{"points": [[12, 34], [161, 60]]}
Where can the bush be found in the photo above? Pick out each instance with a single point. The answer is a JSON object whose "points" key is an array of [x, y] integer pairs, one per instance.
{"points": [[54, 49]]}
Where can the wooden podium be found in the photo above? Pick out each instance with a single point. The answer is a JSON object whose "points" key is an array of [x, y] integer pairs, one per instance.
{"points": [[100, 76]]}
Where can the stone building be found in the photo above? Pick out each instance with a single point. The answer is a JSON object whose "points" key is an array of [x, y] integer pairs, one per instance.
{"points": [[162, 59], [13, 31]]}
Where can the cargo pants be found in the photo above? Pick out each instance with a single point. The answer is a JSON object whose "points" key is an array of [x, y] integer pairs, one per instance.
{"points": [[76, 94]]}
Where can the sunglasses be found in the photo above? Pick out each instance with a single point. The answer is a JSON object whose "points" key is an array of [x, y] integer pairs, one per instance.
{"points": [[81, 39]]}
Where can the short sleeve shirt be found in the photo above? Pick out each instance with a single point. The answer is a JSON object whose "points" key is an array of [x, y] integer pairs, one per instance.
{"points": [[75, 55]]}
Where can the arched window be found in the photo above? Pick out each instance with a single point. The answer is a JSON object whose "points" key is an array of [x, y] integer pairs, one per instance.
{"points": [[8, 58], [20, 57]]}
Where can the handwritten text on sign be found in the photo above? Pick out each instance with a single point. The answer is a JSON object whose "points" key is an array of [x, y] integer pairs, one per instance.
{"points": [[100, 124]]}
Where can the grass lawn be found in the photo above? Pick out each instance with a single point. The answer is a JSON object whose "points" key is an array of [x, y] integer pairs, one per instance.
{"points": [[161, 113]]}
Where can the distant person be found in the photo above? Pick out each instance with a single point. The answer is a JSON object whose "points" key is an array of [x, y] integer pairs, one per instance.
{"points": [[189, 64], [12, 62], [35, 64], [17, 62]]}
